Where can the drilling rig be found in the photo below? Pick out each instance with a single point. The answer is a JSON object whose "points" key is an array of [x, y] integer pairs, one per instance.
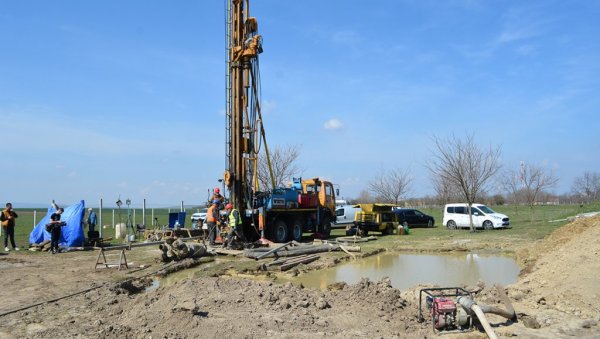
{"points": [[279, 214]]}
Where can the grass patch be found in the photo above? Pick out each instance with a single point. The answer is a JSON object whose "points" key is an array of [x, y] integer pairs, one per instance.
{"points": [[527, 224], [25, 221]]}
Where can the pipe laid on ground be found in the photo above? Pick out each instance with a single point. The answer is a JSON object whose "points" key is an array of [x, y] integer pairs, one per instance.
{"points": [[273, 250], [469, 304]]}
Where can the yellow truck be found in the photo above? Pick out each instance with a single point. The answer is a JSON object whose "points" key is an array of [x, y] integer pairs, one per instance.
{"points": [[375, 217]]}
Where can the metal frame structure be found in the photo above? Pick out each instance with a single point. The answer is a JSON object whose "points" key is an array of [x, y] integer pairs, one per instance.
{"points": [[244, 127]]}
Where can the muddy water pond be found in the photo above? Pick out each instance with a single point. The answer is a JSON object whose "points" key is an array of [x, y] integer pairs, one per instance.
{"points": [[408, 270]]}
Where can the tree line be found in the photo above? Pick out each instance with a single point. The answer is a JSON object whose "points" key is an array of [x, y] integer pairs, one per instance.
{"points": [[460, 170]]}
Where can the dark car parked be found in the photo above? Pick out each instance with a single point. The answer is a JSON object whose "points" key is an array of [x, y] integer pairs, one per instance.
{"points": [[413, 217]]}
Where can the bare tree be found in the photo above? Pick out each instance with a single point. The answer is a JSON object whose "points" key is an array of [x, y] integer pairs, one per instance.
{"points": [[445, 191], [465, 166], [283, 163], [510, 183], [534, 180], [391, 186], [587, 186], [364, 197]]}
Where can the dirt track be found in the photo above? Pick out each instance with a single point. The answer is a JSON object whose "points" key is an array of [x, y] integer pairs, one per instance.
{"points": [[555, 296]]}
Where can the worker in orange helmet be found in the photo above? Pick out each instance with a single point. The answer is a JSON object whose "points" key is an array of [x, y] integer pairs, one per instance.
{"points": [[234, 220]]}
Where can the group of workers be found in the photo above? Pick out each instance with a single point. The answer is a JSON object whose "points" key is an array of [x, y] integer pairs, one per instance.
{"points": [[233, 220]]}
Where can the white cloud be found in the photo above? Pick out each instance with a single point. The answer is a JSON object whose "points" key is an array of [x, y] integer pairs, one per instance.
{"points": [[333, 124]]}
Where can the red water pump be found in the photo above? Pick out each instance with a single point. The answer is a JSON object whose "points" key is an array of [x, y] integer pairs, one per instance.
{"points": [[446, 314]]}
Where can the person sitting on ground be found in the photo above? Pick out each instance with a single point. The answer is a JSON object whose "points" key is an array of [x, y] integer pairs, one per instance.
{"points": [[8, 225]]}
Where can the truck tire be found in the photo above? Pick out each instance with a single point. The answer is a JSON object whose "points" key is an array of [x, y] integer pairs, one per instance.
{"points": [[389, 229], [326, 227], [280, 231], [296, 229]]}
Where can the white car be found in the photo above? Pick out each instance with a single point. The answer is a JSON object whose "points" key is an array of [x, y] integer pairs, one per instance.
{"points": [[199, 217], [456, 216]]}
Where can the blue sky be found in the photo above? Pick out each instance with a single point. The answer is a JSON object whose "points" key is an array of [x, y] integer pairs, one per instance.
{"points": [[106, 98]]}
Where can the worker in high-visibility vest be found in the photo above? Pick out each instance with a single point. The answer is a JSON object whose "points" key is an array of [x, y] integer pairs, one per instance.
{"points": [[212, 217], [234, 221]]}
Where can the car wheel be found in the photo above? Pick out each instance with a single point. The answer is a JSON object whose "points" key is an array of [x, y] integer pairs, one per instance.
{"points": [[487, 225], [280, 232], [430, 223], [451, 225]]}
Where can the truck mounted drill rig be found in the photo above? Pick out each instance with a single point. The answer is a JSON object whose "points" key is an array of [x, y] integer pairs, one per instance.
{"points": [[279, 214]]}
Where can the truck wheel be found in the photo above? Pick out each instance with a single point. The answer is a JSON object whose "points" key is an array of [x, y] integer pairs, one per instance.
{"points": [[280, 231], [296, 229], [326, 227], [389, 230], [363, 232], [487, 225]]}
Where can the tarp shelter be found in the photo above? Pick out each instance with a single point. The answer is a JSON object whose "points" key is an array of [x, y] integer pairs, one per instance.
{"points": [[71, 234]]}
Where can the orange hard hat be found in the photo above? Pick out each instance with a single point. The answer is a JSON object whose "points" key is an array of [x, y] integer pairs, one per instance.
{"points": [[228, 206], [217, 190]]}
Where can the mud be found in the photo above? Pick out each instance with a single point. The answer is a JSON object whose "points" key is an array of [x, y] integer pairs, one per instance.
{"points": [[555, 296]]}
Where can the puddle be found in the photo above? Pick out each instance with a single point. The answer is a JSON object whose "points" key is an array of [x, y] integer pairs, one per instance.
{"points": [[408, 270], [172, 278]]}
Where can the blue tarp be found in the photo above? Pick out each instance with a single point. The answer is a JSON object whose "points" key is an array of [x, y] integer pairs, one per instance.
{"points": [[72, 233]]}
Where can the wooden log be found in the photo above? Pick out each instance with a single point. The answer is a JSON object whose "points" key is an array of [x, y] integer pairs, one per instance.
{"points": [[294, 252], [287, 266]]}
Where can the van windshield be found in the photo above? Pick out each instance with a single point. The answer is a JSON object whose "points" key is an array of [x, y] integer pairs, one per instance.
{"points": [[486, 209]]}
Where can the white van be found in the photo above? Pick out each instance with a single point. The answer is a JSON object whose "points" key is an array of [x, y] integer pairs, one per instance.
{"points": [[345, 214], [456, 216]]}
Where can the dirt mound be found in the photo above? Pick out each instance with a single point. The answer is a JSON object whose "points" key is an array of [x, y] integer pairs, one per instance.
{"points": [[226, 307], [560, 288], [527, 256]]}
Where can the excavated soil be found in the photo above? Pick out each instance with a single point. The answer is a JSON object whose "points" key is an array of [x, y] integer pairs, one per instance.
{"points": [[555, 296]]}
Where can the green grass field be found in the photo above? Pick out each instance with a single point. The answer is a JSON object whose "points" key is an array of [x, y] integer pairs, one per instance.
{"points": [[25, 221], [526, 223]]}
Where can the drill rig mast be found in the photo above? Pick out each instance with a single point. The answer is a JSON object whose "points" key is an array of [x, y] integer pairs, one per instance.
{"points": [[244, 123], [281, 214]]}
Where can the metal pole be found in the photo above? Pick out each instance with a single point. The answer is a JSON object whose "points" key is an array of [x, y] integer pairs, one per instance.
{"points": [[153, 216], [133, 217], [34, 217], [182, 206], [113, 218], [100, 226], [144, 213]]}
